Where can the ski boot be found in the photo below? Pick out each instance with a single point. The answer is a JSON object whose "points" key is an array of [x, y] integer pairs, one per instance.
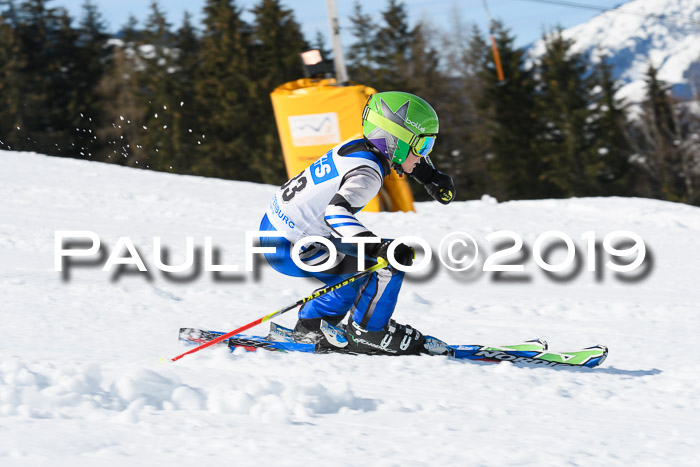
{"points": [[394, 339], [317, 331]]}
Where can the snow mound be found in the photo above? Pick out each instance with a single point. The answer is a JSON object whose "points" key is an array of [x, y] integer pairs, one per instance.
{"points": [[91, 392]]}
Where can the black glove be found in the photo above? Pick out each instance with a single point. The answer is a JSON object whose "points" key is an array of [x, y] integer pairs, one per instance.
{"points": [[438, 185], [403, 254], [441, 188]]}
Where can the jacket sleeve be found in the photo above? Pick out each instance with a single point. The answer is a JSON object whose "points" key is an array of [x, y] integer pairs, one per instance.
{"points": [[356, 190]]}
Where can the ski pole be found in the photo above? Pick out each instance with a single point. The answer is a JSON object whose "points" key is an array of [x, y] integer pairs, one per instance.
{"points": [[381, 263]]}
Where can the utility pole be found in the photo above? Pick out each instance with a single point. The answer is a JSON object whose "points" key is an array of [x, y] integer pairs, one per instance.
{"points": [[341, 72]]}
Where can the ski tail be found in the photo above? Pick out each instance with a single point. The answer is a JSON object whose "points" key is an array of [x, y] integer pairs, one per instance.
{"points": [[194, 336]]}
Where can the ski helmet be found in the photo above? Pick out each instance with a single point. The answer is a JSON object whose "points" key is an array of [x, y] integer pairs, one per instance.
{"points": [[398, 122]]}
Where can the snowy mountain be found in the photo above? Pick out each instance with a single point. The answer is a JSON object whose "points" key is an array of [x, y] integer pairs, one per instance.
{"points": [[665, 33], [82, 382]]}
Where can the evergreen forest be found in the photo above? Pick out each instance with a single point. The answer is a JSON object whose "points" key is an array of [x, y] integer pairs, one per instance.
{"points": [[194, 99]]}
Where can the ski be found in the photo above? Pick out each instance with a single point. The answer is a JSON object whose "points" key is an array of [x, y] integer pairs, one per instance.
{"points": [[532, 353], [589, 357]]}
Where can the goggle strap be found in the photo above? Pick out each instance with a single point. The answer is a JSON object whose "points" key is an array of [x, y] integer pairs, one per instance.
{"points": [[405, 135]]}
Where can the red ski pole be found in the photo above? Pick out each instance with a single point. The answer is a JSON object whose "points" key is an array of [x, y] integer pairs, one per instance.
{"points": [[381, 263]]}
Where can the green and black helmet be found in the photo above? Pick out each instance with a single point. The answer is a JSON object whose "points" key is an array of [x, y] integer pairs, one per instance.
{"points": [[398, 122]]}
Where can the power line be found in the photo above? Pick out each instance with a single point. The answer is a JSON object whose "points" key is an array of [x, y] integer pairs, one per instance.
{"points": [[671, 18]]}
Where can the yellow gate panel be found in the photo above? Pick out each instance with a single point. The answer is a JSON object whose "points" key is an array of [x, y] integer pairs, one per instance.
{"points": [[314, 115]]}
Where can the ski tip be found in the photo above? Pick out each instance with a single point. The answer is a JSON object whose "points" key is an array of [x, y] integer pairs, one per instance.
{"points": [[604, 348], [605, 354], [597, 361]]}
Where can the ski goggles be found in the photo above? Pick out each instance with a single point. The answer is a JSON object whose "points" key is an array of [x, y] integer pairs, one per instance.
{"points": [[420, 145], [427, 143]]}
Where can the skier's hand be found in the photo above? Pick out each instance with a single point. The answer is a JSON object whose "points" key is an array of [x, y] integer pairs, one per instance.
{"points": [[442, 188], [403, 254]]}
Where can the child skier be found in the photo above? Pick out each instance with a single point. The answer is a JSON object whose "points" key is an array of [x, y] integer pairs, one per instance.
{"points": [[399, 132]]}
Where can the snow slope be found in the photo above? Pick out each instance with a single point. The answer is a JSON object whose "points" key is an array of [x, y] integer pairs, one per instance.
{"points": [[665, 33], [82, 382]]}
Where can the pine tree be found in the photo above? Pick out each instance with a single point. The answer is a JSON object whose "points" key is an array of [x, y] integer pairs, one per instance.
{"points": [[119, 88], [64, 91], [667, 145], [462, 143], [88, 56], [563, 109], [568, 143], [610, 127], [511, 122], [121, 93], [362, 54], [278, 41], [423, 73], [659, 129], [689, 154], [33, 30], [94, 56], [393, 43], [155, 79], [47, 79], [11, 64], [321, 43], [185, 109], [223, 84], [448, 95], [130, 32]]}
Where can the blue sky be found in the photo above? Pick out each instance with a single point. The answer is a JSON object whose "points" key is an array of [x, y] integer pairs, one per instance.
{"points": [[526, 18]]}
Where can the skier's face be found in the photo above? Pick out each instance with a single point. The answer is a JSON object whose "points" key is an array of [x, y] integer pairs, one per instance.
{"points": [[410, 163]]}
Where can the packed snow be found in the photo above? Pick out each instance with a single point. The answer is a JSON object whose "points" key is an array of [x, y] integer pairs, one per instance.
{"points": [[85, 377], [663, 33]]}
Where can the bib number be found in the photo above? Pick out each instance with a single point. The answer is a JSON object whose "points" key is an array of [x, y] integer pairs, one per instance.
{"points": [[292, 187]]}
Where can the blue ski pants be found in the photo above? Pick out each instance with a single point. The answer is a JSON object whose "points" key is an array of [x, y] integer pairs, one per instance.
{"points": [[371, 302]]}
